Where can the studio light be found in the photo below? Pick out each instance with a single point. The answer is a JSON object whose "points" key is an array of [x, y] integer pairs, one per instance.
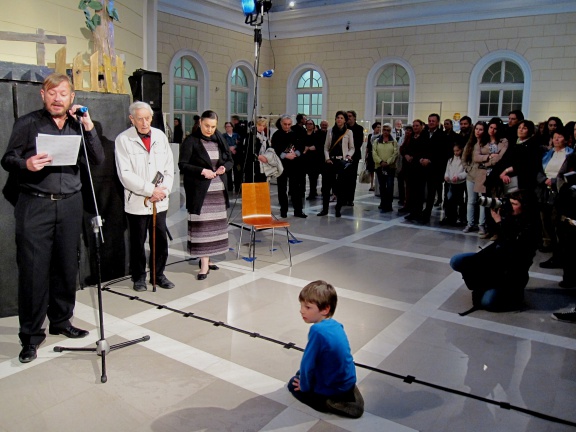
{"points": [[248, 7], [254, 9]]}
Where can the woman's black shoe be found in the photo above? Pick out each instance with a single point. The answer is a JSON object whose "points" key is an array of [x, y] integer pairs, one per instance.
{"points": [[338, 214], [323, 213], [210, 266], [202, 276]]}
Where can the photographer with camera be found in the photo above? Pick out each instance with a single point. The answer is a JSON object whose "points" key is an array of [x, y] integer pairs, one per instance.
{"points": [[498, 274]]}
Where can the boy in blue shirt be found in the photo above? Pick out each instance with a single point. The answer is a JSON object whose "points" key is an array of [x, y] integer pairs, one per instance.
{"points": [[326, 380]]}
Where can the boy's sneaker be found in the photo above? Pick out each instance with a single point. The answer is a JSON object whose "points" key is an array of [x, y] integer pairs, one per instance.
{"points": [[481, 230], [569, 316], [468, 228]]}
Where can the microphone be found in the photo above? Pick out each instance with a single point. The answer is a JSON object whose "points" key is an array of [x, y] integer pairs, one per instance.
{"points": [[81, 111], [267, 74]]}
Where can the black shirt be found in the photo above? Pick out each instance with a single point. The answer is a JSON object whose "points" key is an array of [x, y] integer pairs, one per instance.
{"points": [[22, 145]]}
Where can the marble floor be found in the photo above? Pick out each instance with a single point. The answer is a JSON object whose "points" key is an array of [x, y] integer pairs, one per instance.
{"points": [[218, 356]]}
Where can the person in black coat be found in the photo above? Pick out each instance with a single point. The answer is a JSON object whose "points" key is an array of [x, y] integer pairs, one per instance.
{"points": [[204, 160], [498, 274], [289, 148]]}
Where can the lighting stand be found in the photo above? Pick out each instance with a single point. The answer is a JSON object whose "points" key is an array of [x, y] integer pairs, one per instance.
{"points": [[256, 22], [102, 347]]}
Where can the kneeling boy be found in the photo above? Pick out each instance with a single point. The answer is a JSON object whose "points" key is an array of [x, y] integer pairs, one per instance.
{"points": [[326, 380]]}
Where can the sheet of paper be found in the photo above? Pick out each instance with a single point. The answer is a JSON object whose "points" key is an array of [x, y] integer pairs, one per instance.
{"points": [[63, 148]]}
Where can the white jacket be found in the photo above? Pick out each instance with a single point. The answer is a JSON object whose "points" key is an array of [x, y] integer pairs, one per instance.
{"points": [[136, 169]]}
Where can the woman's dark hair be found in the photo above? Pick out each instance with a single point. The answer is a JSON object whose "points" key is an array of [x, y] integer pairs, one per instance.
{"points": [[376, 124], [562, 133], [499, 127], [228, 123], [342, 113], [527, 199], [178, 120], [209, 114], [529, 125], [469, 147], [311, 121]]}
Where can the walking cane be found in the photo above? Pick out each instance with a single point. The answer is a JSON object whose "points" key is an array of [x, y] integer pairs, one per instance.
{"points": [[157, 180]]}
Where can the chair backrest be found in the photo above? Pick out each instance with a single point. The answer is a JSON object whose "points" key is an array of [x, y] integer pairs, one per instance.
{"points": [[256, 200]]}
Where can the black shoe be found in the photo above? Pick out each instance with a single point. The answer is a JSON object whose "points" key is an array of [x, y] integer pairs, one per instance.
{"points": [[70, 332], [210, 266], [402, 210], [550, 264], [202, 276], [28, 353], [283, 215], [338, 214], [424, 220], [323, 213], [411, 217], [163, 282], [567, 284], [140, 285], [301, 215]]}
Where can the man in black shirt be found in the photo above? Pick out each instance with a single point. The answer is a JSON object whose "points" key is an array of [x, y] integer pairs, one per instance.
{"points": [[48, 215]]}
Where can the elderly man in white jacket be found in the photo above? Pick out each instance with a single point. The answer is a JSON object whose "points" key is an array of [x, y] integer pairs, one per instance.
{"points": [[142, 152]]}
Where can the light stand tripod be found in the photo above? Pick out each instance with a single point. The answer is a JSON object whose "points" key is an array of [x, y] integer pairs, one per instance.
{"points": [[255, 21], [102, 347]]}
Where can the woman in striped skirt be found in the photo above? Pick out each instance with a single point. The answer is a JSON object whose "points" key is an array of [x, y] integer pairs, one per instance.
{"points": [[204, 160]]}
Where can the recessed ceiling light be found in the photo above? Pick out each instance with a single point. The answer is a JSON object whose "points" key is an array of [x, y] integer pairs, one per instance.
{"points": [[291, 4]]}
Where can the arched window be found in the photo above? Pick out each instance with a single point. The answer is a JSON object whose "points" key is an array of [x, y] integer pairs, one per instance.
{"points": [[188, 87], [392, 93], [501, 89], [306, 92], [185, 92], [499, 83], [390, 89], [309, 94], [239, 93]]}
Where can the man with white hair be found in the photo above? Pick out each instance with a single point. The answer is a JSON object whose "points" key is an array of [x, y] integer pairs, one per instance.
{"points": [[141, 153]]}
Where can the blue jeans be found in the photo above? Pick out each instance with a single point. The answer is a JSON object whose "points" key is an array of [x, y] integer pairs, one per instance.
{"points": [[488, 290], [471, 205]]}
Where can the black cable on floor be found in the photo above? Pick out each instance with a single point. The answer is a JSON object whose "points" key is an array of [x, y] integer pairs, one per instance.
{"points": [[408, 379]]}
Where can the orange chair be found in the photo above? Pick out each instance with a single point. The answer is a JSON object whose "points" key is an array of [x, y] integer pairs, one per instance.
{"points": [[257, 214]]}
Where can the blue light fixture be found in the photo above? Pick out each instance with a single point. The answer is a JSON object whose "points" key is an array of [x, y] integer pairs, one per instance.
{"points": [[248, 7]]}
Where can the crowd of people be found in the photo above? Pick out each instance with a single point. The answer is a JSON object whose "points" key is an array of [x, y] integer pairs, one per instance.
{"points": [[522, 173]]}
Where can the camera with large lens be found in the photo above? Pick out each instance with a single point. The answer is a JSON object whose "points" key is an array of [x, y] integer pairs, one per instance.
{"points": [[492, 203]]}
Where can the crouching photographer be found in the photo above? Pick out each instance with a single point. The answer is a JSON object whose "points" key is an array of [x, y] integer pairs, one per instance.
{"points": [[498, 274]]}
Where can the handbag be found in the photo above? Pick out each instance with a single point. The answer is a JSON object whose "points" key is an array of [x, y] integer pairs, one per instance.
{"points": [[364, 176]]}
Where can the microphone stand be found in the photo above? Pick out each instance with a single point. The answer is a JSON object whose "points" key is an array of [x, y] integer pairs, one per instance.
{"points": [[102, 347]]}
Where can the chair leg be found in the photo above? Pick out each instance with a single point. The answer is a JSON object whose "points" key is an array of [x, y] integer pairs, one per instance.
{"points": [[253, 247], [240, 242], [289, 250], [272, 249]]}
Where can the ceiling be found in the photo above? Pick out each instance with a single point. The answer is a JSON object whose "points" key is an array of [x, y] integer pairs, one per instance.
{"points": [[322, 17]]}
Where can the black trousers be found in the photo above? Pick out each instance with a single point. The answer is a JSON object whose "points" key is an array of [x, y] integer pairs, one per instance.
{"points": [[297, 179], [47, 241], [141, 226], [333, 181]]}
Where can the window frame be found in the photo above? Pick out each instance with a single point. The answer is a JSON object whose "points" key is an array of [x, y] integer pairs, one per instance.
{"points": [[476, 85]]}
